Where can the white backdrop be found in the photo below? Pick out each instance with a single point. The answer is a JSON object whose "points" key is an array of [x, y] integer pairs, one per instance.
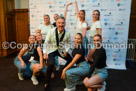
{"points": [[114, 19]]}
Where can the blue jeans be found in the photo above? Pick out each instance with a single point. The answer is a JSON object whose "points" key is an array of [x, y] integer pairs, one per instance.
{"points": [[75, 76], [44, 69], [57, 61], [101, 72], [25, 71], [85, 45], [92, 43]]}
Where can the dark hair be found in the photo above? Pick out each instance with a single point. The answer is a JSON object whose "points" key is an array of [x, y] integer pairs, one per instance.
{"points": [[80, 35], [84, 13], [56, 14], [61, 18], [98, 35], [98, 13]]}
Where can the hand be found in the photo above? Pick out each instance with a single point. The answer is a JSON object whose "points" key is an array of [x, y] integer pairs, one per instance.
{"points": [[86, 59], [45, 56], [69, 3], [22, 64], [88, 27], [63, 74], [86, 81], [40, 66], [64, 54]]}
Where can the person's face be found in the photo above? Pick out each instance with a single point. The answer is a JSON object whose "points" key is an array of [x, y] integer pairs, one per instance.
{"points": [[97, 41], [78, 39], [60, 24], [95, 15], [38, 37], [31, 39], [81, 15], [56, 17], [46, 19]]}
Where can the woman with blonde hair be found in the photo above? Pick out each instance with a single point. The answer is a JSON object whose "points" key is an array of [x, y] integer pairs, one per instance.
{"points": [[45, 27], [22, 60]]}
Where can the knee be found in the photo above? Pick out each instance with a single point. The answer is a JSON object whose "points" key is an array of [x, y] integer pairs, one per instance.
{"points": [[87, 83], [68, 73], [36, 67], [24, 68]]}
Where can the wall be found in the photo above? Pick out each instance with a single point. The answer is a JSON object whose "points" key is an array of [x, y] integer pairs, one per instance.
{"points": [[21, 4]]}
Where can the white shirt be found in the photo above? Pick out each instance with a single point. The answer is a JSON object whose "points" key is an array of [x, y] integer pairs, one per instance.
{"points": [[50, 42], [80, 26], [93, 29], [44, 29]]}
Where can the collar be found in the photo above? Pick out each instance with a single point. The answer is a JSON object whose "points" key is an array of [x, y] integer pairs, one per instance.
{"points": [[60, 33]]}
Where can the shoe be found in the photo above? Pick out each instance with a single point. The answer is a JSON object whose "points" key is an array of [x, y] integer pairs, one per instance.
{"points": [[45, 85], [20, 77], [103, 88], [70, 89], [34, 80]]}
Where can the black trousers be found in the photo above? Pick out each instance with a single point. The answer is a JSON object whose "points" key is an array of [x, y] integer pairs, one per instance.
{"points": [[50, 67]]}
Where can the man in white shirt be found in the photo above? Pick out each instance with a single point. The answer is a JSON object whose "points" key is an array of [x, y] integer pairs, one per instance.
{"points": [[57, 43]]}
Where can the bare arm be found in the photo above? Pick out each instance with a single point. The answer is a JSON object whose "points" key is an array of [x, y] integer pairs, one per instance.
{"points": [[99, 31], [65, 13], [39, 50], [77, 11], [90, 55], [84, 32], [88, 27], [21, 53], [75, 59], [38, 31]]}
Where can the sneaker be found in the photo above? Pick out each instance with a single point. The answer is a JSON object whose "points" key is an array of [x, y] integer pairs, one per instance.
{"points": [[103, 88], [70, 89], [45, 85], [34, 80], [20, 77]]}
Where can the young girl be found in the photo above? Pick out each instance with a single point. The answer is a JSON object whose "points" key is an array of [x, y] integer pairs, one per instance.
{"points": [[37, 63], [43, 28], [98, 71], [22, 60], [95, 27], [82, 25], [74, 76]]}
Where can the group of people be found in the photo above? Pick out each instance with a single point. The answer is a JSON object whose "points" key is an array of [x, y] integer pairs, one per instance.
{"points": [[90, 68]]}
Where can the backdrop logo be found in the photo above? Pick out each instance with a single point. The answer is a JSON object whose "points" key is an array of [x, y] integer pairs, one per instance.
{"points": [[116, 38], [111, 28], [109, 14], [103, 9], [60, 2], [97, 5], [122, 9], [118, 33]]}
